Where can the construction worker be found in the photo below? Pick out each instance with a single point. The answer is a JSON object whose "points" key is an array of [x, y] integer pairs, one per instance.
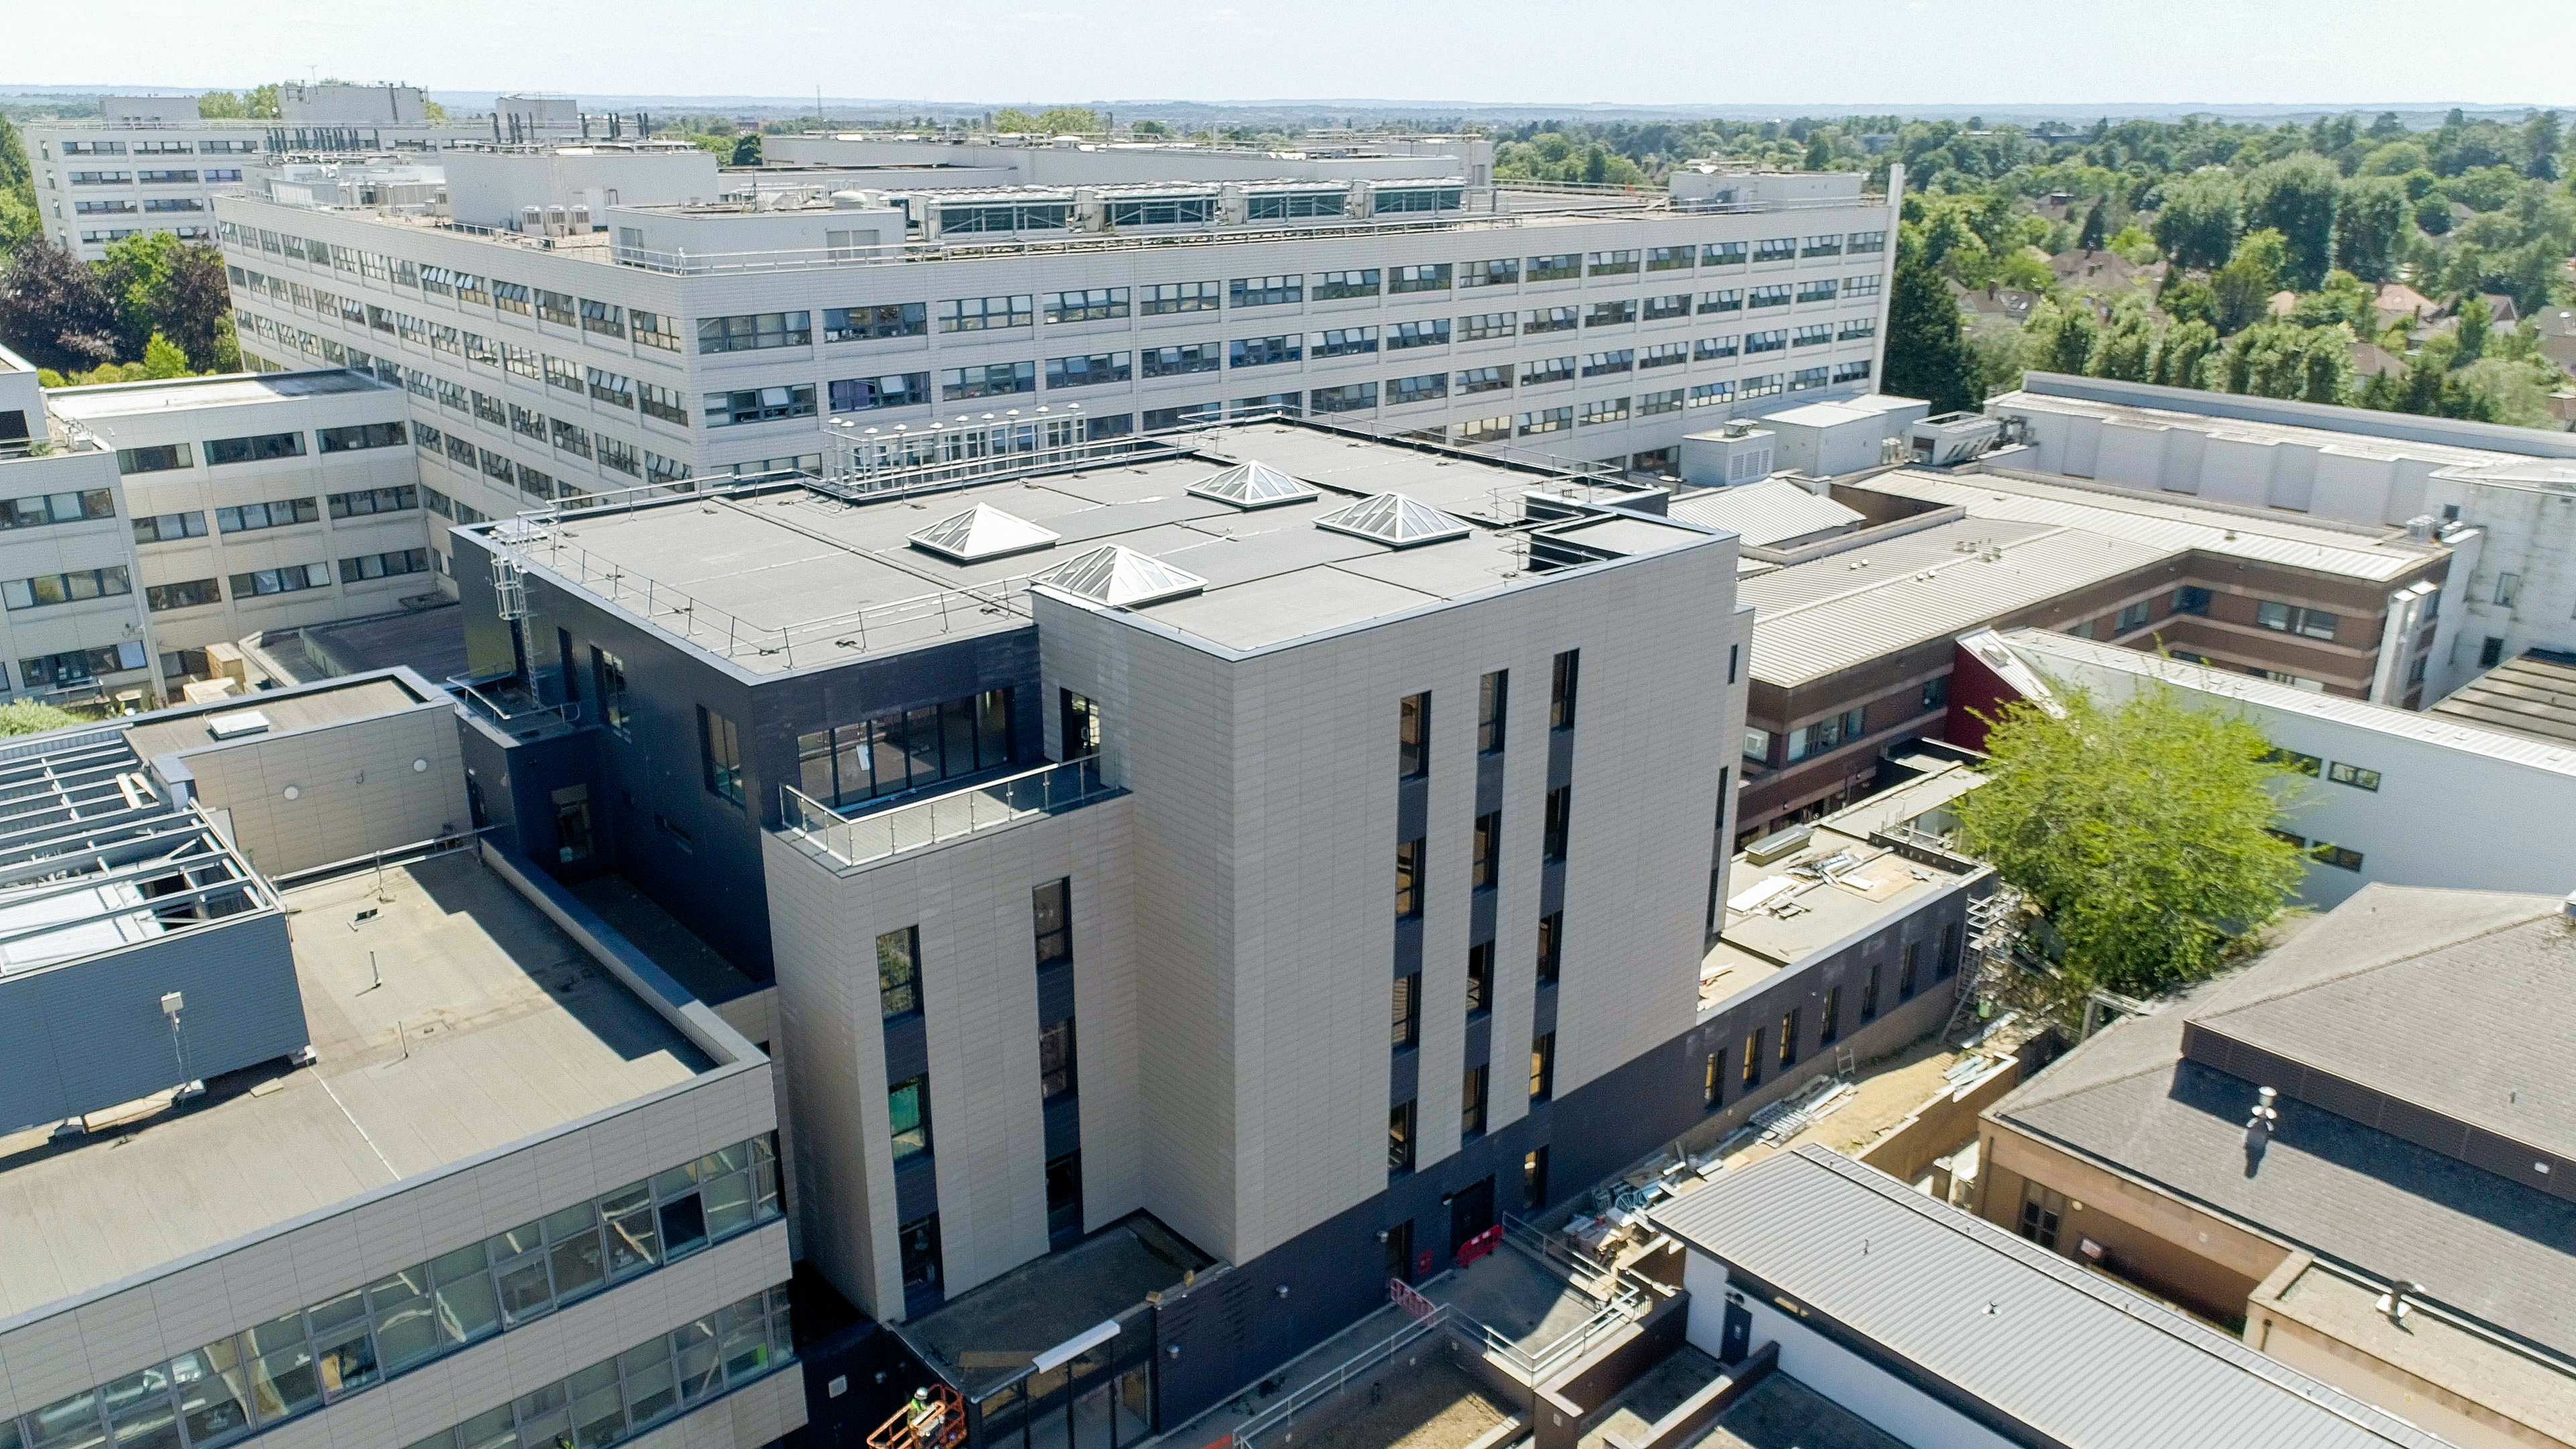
{"points": [[923, 1416]]}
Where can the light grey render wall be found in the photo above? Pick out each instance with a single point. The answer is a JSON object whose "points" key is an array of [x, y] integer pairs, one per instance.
{"points": [[32, 552], [971, 900], [198, 1298], [355, 788]]}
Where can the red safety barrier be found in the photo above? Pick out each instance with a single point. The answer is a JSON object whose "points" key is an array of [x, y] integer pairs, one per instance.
{"points": [[1479, 1245]]}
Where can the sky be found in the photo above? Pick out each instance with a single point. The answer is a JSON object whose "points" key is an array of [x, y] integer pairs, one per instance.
{"points": [[1879, 54]]}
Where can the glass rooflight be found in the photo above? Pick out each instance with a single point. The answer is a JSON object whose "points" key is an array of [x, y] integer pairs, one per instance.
{"points": [[1252, 485], [1121, 577], [982, 532], [1394, 520]]}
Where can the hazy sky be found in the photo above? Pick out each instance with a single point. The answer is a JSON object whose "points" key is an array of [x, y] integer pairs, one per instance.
{"points": [[1891, 53]]}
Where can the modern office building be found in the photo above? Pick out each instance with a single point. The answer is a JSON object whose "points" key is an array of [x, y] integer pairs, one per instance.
{"points": [[2500, 495], [1865, 587], [2384, 789], [257, 502], [71, 617], [1834, 1292], [634, 330], [1290, 836], [2358, 1147], [149, 163], [325, 1124]]}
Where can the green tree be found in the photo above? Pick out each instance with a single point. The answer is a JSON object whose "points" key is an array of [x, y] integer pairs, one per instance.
{"points": [[2201, 215], [1011, 119], [2397, 158], [260, 102], [2540, 138], [2297, 196], [1819, 156], [19, 217], [2128, 344], [2476, 318], [1150, 128], [2244, 287], [54, 311], [2372, 220], [162, 358], [746, 149], [1069, 121], [432, 112], [221, 106], [1925, 357], [2140, 829], [2182, 358], [2096, 225], [194, 309], [28, 717]]}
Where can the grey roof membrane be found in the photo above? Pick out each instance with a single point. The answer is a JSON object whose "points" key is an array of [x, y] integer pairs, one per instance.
{"points": [[2062, 1350]]}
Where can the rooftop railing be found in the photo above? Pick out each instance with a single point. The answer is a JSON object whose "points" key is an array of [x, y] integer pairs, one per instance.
{"points": [[891, 832]]}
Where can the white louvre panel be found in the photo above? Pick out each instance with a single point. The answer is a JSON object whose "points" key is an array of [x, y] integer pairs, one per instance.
{"points": [[1394, 520], [982, 532], [1253, 485], [1121, 577]]}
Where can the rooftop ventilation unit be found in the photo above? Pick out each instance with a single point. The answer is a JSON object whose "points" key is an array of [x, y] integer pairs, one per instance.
{"points": [[982, 532], [1252, 485], [1394, 520], [1121, 578]]}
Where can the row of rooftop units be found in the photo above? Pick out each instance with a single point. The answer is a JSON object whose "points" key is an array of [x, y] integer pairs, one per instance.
{"points": [[555, 978]]}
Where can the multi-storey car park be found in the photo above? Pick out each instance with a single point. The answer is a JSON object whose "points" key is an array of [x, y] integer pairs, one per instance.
{"points": [[150, 164], [322, 1123], [591, 319], [1239, 866]]}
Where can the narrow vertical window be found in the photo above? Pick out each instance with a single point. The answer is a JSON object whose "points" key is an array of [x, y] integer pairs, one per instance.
{"points": [[1413, 736], [1949, 965], [1712, 1091], [719, 755], [908, 1113], [1869, 996], [1471, 1103], [1789, 1038], [1734, 653], [1551, 946], [1055, 1061], [899, 972], [608, 676], [1560, 700], [1829, 1021], [1543, 1066], [1753, 1058], [1560, 821], [1079, 722], [1399, 1137], [1052, 908], [1408, 1009], [1486, 868], [1408, 879], [1534, 1179], [1480, 977], [1491, 700], [1905, 977]]}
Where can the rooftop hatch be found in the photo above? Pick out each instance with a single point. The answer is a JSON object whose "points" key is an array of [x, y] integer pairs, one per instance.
{"points": [[1394, 520], [1121, 577], [1252, 485], [982, 532]]}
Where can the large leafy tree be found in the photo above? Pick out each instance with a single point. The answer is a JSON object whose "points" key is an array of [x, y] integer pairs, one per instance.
{"points": [[1925, 356], [2201, 215], [2141, 830], [2298, 196], [54, 310]]}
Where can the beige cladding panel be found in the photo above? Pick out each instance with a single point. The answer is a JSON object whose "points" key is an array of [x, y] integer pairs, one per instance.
{"points": [[367, 785]]}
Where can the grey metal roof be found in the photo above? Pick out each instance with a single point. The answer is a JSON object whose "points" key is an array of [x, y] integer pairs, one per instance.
{"points": [[1762, 514], [2052, 1345], [2534, 694]]}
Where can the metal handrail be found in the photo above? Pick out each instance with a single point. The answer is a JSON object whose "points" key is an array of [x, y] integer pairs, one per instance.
{"points": [[1250, 1430], [942, 817], [569, 711]]}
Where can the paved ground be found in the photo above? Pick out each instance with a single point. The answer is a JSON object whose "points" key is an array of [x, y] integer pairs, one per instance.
{"points": [[1514, 1295], [1430, 1405], [1782, 1413]]}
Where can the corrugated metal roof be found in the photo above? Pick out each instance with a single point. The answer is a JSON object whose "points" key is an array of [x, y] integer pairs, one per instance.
{"points": [[1811, 620], [1762, 514], [2039, 646], [2062, 1350], [2171, 526]]}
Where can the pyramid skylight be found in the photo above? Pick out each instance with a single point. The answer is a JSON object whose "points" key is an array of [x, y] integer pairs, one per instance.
{"points": [[1252, 485], [1394, 520], [982, 532], [1121, 577]]}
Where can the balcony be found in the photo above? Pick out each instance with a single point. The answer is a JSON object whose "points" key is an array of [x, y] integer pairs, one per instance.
{"points": [[881, 835]]}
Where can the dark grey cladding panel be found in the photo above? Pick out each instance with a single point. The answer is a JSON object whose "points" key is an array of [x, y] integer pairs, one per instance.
{"points": [[89, 1035]]}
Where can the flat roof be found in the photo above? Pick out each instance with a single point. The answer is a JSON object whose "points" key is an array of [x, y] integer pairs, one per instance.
{"points": [[989, 1334], [2431, 726], [2433, 1346], [165, 732], [1782, 914], [2403, 971], [792, 576], [1765, 513], [120, 399], [2533, 694], [491, 1026], [2017, 1327], [2354, 432]]}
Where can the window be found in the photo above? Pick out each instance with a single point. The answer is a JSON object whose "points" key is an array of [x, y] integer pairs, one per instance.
{"points": [[1605, 410], [250, 450], [1428, 387], [1407, 1010], [1775, 295], [1611, 264], [608, 683], [1484, 325], [79, 666], [1056, 1078], [1560, 699], [606, 318], [1263, 351], [1829, 733], [1829, 1020], [1812, 336], [719, 755], [1471, 1102], [1051, 911], [2291, 619], [1064, 1196], [908, 1116], [161, 527], [1163, 211], [1558, 267], [917, 1244], [294, 578], [1776, 340], [392, 564], [1088, 371], [1610, 314], [1164, 298], [156, 459], [2336, 856], [1492, 698], [1399, 1138], [1485, 864], [2353, 775], [899, 972], [1936, 693], [2296, 763], [1711, 349], [755, 331], [163, 597], [1604, 364], [1534, 1179], [2041, 1211], [1499, 272], [1265, 291], [1546, 420], [576, 440], [2508, 588], [2490, 653], [1751, 1074], [865, 394], [1948, 966], [1757, 745], [1349, 397], [755, 405], [1420, 198], [1712, 1089], [1485, 379], [1664, 354], [1869, 996], [366, 501], [1345, 342], [1542, 1066], [1481, 430], [1560, 822], [1551, 319], [2133, 616], [1332, 285], [1409, 878], [1429, 277], [1480, 978], [1542, 370], [248, 517], [361, 435], [2191, 599], [1551, 946], [1789, 1038], [1413, 736], [1908, 978]]}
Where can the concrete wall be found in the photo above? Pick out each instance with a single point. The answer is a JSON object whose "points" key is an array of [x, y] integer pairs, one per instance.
{"points": [[1940, 1126], [359, 786]]}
